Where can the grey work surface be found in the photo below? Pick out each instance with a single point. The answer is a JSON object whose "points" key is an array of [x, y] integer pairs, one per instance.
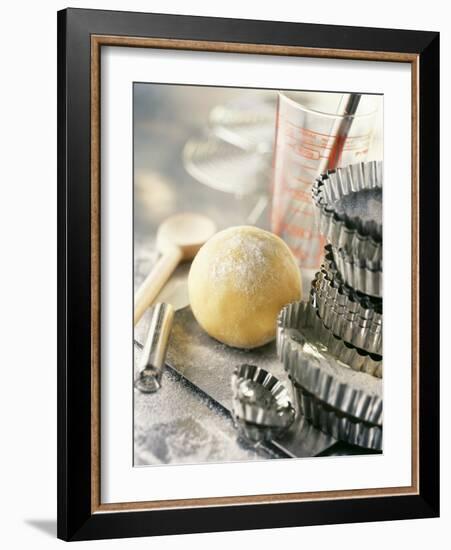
{"points": [[181, 425], [209, 365]]}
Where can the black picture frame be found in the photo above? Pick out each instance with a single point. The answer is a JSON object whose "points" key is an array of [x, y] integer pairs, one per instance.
{"points": [[76, 518]]}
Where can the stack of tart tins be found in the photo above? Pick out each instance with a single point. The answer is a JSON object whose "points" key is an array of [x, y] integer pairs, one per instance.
{"points": [[331, 347], [336, 386], [349, 201], [347, 292], [347, 313]]}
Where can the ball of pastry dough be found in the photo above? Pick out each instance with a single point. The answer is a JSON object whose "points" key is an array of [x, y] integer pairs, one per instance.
{"points": [[239, 281]]}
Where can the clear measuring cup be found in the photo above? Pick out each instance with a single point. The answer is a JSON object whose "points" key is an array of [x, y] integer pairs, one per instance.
{"points": [[309, 141]]}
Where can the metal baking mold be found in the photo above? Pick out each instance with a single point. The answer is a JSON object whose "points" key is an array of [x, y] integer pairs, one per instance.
{"points": [[353, 393], [362, 275], [365, 297], [358, 237], [353, 318], [312, 366], [261, 406], [336, 424], [302, 317], [369, 307]]}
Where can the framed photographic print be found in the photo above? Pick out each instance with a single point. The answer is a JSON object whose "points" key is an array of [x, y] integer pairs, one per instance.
{"points": [[237, 350]]}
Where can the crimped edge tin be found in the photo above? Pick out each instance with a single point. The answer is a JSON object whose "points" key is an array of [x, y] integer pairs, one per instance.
{"points": [[306, 364], [258, 421], [307, 368], [302, 316], [337, 425], [353, 319], [355, 236], [362, 275]]}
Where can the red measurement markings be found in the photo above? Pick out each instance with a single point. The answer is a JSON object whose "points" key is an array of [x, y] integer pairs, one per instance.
{"points": [[301, 211], [362, 152], [281, 189], [304, 180], [296, 231], [272, 185], [308, 153], [299, 183], [340, 146], [308, 137], [356, 147], [309, 140], [301, 195], [291, 194], [301, 129], [316, 155], [349, 145]]}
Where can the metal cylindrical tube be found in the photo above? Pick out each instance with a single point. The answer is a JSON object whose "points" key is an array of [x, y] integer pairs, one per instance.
{"points": [[155, 348]]}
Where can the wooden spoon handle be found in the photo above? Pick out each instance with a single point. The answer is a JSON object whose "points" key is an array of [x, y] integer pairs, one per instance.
{"points": [[155, 281]]}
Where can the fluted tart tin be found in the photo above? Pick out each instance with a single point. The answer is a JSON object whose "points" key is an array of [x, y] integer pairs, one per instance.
{"points": [[349, 201], [338, 425], [262, 409], [362, 275], [346, 404], [301, 320], [312, 365], [352, 316]]}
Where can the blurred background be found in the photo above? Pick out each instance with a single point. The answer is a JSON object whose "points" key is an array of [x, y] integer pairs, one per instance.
{"points": [[168, 119], [211, 150]]}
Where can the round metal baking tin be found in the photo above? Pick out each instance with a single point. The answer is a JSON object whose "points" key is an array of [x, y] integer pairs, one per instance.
{"points": [[311, 366], [336, 424], [360, 274], [358, 237], [355, 318], [299, 320], [261, 405]]}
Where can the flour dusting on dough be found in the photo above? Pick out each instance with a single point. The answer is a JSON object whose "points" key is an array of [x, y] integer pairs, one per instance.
{"points": [[243, 260], [238, 283]]}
